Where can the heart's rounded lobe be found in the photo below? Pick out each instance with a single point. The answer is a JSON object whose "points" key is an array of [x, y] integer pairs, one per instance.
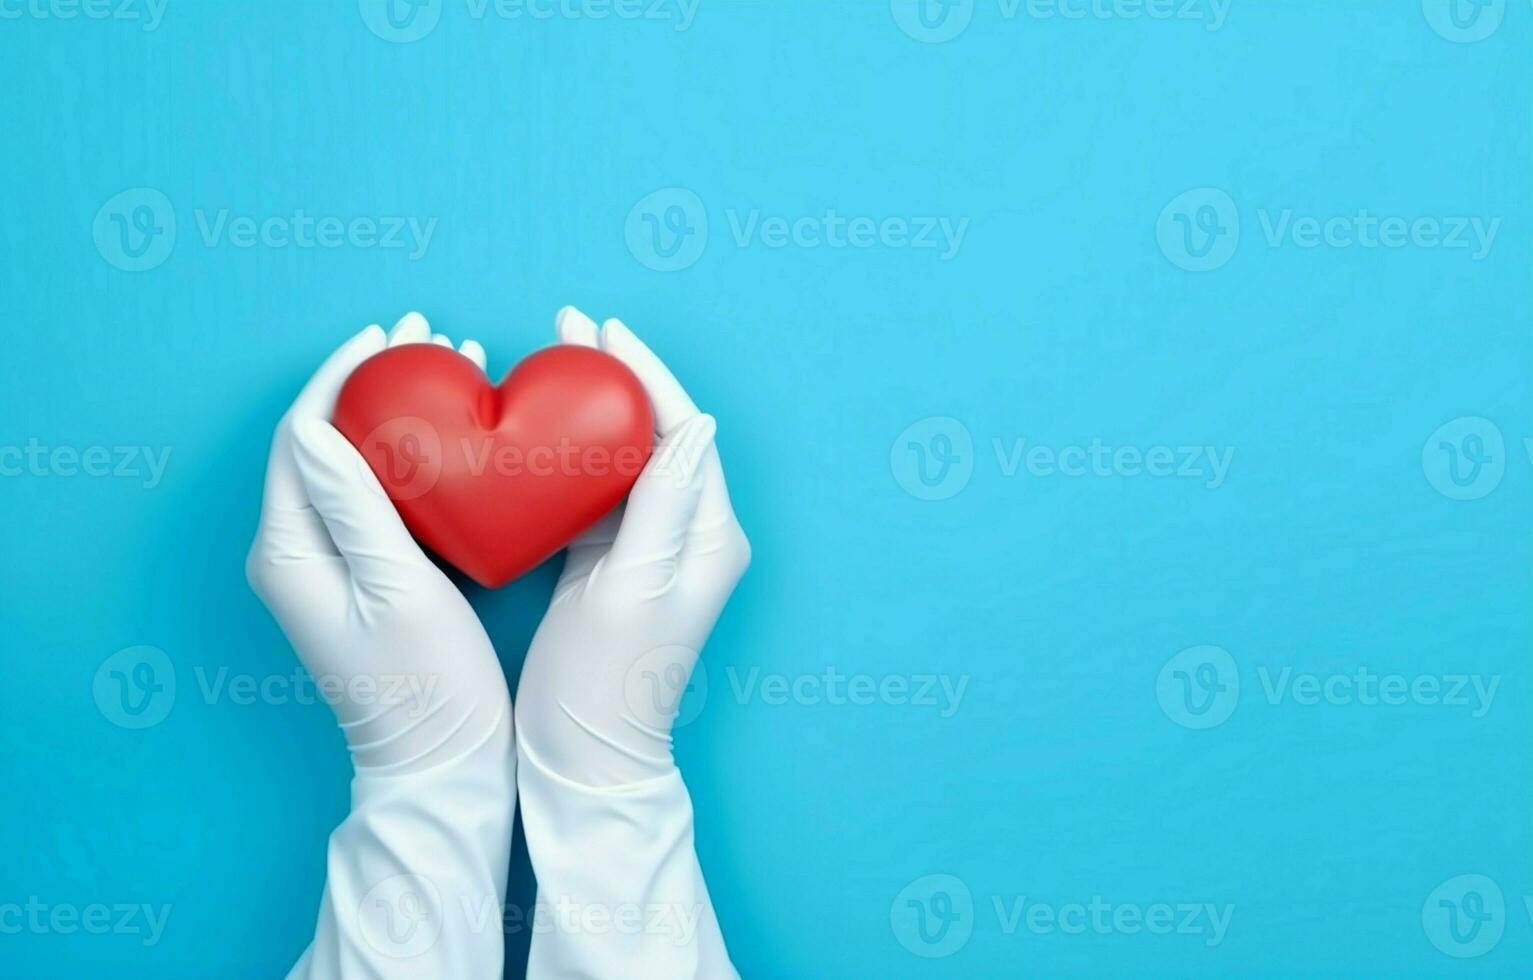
{"points": [[497, 478]]}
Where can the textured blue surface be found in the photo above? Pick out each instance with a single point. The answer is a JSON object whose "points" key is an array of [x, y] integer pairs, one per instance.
{"points": [[1227, 227]]}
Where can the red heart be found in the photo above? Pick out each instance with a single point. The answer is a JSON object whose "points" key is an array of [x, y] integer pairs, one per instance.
{"points": [[495, 479]]}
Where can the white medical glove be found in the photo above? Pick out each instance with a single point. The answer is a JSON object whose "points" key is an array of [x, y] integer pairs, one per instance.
{"points": [[607, 817], [416, 874]]}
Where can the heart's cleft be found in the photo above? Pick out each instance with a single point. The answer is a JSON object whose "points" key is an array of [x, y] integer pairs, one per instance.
{"points": [[487, 408]]}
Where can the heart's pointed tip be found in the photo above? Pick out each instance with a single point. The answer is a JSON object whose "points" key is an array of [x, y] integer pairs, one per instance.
{"points": [[492, 582]]}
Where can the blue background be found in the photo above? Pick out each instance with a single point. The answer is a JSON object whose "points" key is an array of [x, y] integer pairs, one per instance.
{"points": [[1060, 320]]}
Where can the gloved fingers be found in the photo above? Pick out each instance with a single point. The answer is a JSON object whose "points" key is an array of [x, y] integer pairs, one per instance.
{"points": [[291, 531], [317, 400], [474, 351], [284, 490], [672, 404], [574, 327], [603, 532], [412, 328], [712, 564], [715, 542], [305, 594], [361, 520], [665, 499], [471, 349], [590, 547], [672, 407]]}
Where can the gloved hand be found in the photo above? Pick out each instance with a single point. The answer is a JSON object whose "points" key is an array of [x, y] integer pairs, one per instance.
{"points": [[607, 817], [416, 874]]}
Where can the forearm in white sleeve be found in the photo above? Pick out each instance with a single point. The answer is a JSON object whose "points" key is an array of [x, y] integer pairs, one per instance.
{"points": [[416, 874], [620, 892]]}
